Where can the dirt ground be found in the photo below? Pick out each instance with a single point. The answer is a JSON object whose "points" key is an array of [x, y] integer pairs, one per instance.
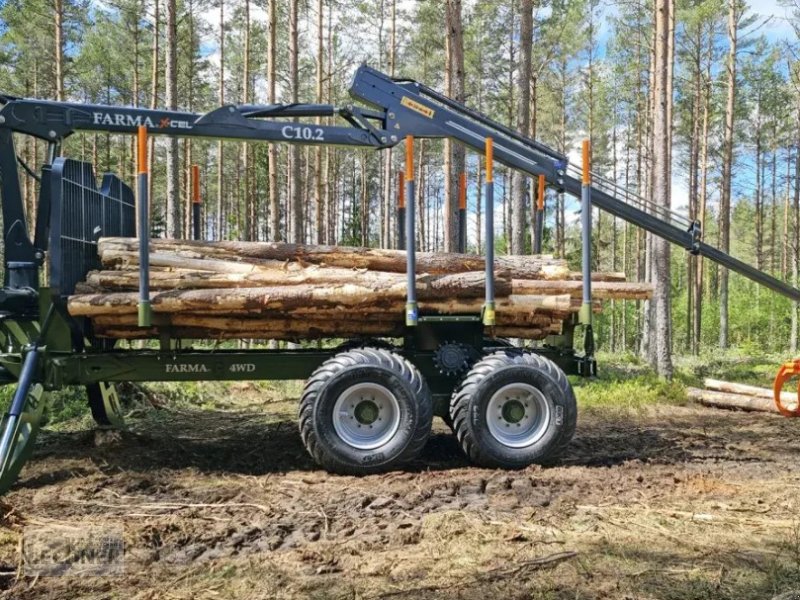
{"points": [[665, 502]]}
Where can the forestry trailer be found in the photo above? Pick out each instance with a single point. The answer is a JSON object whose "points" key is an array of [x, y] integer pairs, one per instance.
{"points": [[367, 405]]}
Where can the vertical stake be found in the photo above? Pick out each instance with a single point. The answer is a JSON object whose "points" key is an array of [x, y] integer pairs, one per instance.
{"points": [[411, 258], [145, 310], [539, 221], [401, 210], [196, 202], [585, 315], [489, 306], [462, 213]]}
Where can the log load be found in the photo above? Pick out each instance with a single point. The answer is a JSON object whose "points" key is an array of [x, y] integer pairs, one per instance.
{"points": [[290, 291]]}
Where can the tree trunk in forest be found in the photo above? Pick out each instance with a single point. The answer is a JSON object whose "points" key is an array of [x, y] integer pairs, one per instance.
{"points": [[154, 59], [272, 150], [173, 207], [319, 213], [661, 343], [221, 100], [59, 48], [296, 230], [249, 200], [727, 166], [519, 199], [454, 151], [795, 318], [388, 198]]}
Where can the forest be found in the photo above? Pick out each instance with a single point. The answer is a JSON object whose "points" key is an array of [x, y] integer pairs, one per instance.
{"points": [[694, 104]]}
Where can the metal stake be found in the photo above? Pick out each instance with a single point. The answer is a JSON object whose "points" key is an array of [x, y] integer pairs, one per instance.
{"points": [[145, 310], [539, 220], [489, 306], [585, 314], [401, 211], [196, 202], [412, 312], [462, 213]]}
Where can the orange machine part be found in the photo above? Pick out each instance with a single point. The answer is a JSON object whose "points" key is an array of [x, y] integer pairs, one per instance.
{"points": [[141, 135], [409, 158], [787, 371], [196, 184], [401, 189], [489, 160], [540, 194]]}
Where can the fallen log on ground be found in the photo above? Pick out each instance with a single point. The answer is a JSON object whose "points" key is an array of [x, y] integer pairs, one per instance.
{"points": [[747, 390], [731, 401]]}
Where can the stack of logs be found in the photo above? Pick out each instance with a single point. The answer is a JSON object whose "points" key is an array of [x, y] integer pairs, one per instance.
{"points": [[289, 291]]}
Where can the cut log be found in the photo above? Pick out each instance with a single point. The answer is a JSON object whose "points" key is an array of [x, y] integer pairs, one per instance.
{"points": [[601, 290], [197, 326], [299, 297], [787, 398], [114, 251], [732, 401], [468, 285], [288, 291]]}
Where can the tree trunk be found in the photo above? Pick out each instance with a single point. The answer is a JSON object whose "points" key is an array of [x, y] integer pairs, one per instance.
{"points": [[519, 199], [153, 97], [454, 152], [661, 331], [173, 208], [296, 233], [59, 48], [727, 166], [272, 150], [319, 213]]}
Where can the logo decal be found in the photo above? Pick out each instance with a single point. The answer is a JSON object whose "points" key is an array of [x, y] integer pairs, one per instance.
{"points": [[417, 107], [187, 368], [128, 120]]}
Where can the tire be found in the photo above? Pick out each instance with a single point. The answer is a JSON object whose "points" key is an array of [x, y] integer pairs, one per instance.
{"points": [[345, 433], [532, 401]]}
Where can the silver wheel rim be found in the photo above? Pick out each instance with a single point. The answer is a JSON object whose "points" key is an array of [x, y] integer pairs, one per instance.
{"points": [[518, 415], [366, 416]]}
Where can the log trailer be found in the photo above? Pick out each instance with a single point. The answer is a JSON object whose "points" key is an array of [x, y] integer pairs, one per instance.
{"points": [[367, 405]]}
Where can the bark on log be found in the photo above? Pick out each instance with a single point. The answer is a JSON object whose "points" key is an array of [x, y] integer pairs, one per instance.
{"points": [[601, 290], [114, 251], [747, 390], [194, 326], [299, 297], [468, 285], [732, 401]]}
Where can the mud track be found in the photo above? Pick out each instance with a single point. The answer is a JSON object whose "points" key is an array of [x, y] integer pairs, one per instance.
{"points": [[673, 502]]}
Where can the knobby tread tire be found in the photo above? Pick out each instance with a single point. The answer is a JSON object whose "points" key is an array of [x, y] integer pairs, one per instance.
{"points": [[381, 359], [462, 401]]}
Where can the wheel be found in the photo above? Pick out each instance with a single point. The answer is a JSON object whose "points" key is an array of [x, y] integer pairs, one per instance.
{"points": [[513, 409], [365, 411]]}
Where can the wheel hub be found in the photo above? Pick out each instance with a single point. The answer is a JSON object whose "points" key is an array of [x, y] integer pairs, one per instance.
{"points": [[452, 359], [518, 415], [366, 412], [513, 411], [366, 416]]}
